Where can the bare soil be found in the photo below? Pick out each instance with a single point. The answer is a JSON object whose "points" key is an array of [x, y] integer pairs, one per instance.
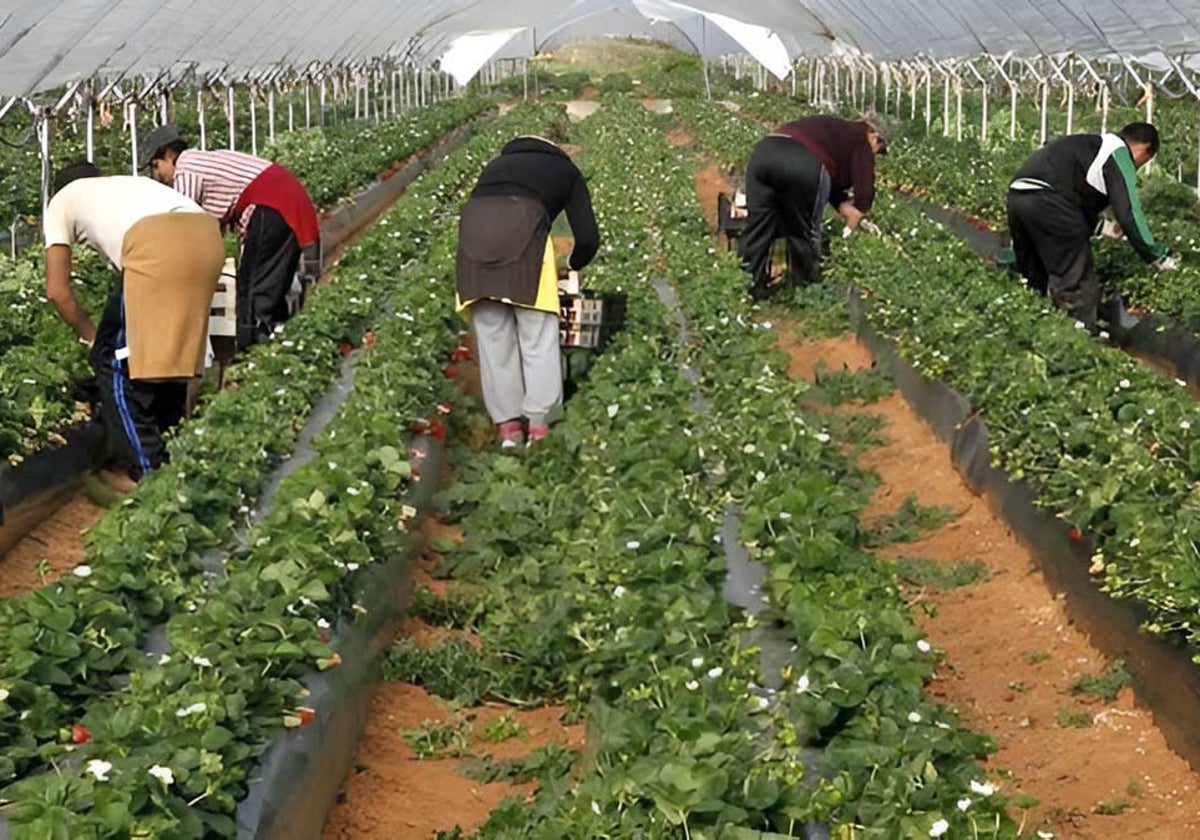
{"points": [[1012, 654], [393, 795], [51, 550]]}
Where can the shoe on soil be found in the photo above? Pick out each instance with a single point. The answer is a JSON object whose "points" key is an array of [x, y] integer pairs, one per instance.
{"points": [[511, 434], [537, 433]]}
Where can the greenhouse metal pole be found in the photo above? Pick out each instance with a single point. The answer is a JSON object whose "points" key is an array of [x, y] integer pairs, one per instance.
{"points": [[983, 123], [200, 116], [271, 113], [42, 125], [230, 117], [928, 101], [1101, 92], [131, 115], [307, 103], [291, 111], [253, 124], [1195, 92], [90, 143]]}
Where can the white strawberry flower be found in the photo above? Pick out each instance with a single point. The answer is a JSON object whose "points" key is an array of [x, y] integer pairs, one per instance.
{"points": [[822, 437], [1124, 383], [715, 672], [633, 545], [194, 709], [939, 828], [924, 646], [99, 769], [202, 661], [691, 685], [83, 571], [697, 661], [914, 717], [983, 788], [618, 591], [163, 774], [964, 803], [3, 694], [802, 683], [613, 409]]}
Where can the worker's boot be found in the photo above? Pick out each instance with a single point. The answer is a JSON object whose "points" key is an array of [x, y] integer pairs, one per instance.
{"points": [[511, 434]]}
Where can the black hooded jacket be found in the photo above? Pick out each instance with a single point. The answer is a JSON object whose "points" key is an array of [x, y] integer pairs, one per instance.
{"points": [[537, 169]]}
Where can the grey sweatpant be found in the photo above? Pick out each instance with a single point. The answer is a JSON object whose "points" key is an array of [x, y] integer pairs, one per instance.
{"points": [[519, 361]]}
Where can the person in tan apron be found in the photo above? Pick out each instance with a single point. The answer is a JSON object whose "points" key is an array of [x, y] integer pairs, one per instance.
{"points": [[508, 284], [150, 341]]}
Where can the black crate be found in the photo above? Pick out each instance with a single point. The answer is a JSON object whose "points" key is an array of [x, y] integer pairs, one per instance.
{"points": [[590, 319]]}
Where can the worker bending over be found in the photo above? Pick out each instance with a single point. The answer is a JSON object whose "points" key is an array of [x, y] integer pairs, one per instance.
{"points": [[1054, 205], [270, 209], [151, 337], [792, 174], [508, 283]]}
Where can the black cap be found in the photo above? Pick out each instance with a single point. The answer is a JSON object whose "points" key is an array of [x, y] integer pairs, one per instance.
{"points": [[155, 141]]}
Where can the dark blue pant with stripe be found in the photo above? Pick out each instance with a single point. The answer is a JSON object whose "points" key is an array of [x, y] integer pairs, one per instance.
{"points": [[135, 413]]}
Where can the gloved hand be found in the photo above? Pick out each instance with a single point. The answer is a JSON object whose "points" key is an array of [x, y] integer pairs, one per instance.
{"points": [[1168, 263], [870, 227]]}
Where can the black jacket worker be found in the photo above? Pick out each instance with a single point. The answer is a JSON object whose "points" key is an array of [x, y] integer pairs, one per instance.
{"points": [[1054, 204]]}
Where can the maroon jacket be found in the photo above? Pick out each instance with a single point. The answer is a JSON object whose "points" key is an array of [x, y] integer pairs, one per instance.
{"points": [[843, 148]]}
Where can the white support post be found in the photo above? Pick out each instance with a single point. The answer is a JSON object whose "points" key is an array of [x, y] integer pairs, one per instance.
{"points": [[230, 117], [131, 115], [928, 101], [253, 125], [200, 116], [165, 110], [307, 103], [271, 113], [291, 111], [945, 103], [43, 135], [323, 98], [91, 128], [1045, 85]]}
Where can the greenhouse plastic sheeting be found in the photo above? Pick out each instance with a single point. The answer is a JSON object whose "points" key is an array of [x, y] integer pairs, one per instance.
{"points": [[47, 43], [1166, 678]]}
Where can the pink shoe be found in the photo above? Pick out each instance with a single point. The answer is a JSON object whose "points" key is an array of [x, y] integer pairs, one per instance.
{"points": [[537, 433], [511, 434]]}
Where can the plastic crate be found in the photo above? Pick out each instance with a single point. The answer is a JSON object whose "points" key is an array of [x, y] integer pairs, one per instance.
{"points": [[222, 316], [590, 319]]}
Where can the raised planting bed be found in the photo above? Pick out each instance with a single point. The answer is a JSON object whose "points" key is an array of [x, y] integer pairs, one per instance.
{"points": [[1094, 443]]}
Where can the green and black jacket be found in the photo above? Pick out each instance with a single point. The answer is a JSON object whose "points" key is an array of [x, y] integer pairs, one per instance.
{"points": [[1093, 171]]}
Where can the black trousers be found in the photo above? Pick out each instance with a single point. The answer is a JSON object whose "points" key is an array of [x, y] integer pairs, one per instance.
{"points": [[787, 189], [270, 256], [1051, 241], [135, 413]]}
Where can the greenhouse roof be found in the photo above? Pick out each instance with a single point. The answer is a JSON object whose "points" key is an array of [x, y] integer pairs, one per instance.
{"points": [[48, 43]]}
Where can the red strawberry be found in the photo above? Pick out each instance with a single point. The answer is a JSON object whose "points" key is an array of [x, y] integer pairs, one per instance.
{"points": [[419, 427], [438, 431], [306, 715], [450, 371], [444, 408], [345, 348], [1075, 534], [80, 734], [461, 353]]}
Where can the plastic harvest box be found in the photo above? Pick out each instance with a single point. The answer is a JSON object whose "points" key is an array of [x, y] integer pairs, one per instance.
{"points": [[590, 319]]}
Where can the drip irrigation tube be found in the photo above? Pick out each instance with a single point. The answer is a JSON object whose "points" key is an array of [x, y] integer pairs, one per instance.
{"points": [[1166, 678]]}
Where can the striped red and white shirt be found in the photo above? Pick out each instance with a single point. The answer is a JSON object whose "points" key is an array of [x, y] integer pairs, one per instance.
{"points": [[216, 180]]}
